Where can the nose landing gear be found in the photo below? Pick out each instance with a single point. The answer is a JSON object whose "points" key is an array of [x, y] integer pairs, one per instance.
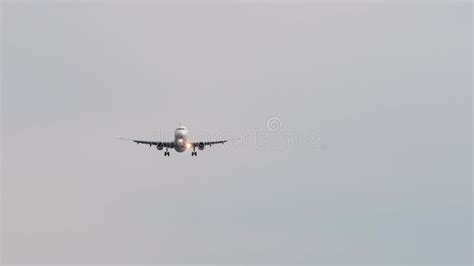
{"points": [[167, 153]]}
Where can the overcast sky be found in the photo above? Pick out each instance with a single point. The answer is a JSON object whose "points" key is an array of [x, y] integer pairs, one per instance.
{"points": [[378, 96]]}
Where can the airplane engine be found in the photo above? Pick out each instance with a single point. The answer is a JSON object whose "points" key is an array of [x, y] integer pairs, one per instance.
{"points": [[201, 146], [160, 146]]}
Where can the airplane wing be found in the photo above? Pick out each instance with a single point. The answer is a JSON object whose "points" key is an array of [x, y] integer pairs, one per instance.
{"points": [[202, 144], [151, 143]]}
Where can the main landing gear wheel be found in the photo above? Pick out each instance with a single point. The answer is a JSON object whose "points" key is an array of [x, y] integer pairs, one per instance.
{"points": [[167, 153], [194, 153]]}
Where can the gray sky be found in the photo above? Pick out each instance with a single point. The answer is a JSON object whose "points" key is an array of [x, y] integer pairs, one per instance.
{"points": [[384, 88]]}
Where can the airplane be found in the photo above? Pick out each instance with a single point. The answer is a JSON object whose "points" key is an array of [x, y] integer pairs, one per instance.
{"points": [[181, 142]]}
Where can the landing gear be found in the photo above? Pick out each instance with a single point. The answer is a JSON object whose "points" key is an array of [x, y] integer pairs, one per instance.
{"points": [[167, 153], [194, 153]]}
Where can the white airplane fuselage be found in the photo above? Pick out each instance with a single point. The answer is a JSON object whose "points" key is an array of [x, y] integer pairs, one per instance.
{"points": [[181, 139]]}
